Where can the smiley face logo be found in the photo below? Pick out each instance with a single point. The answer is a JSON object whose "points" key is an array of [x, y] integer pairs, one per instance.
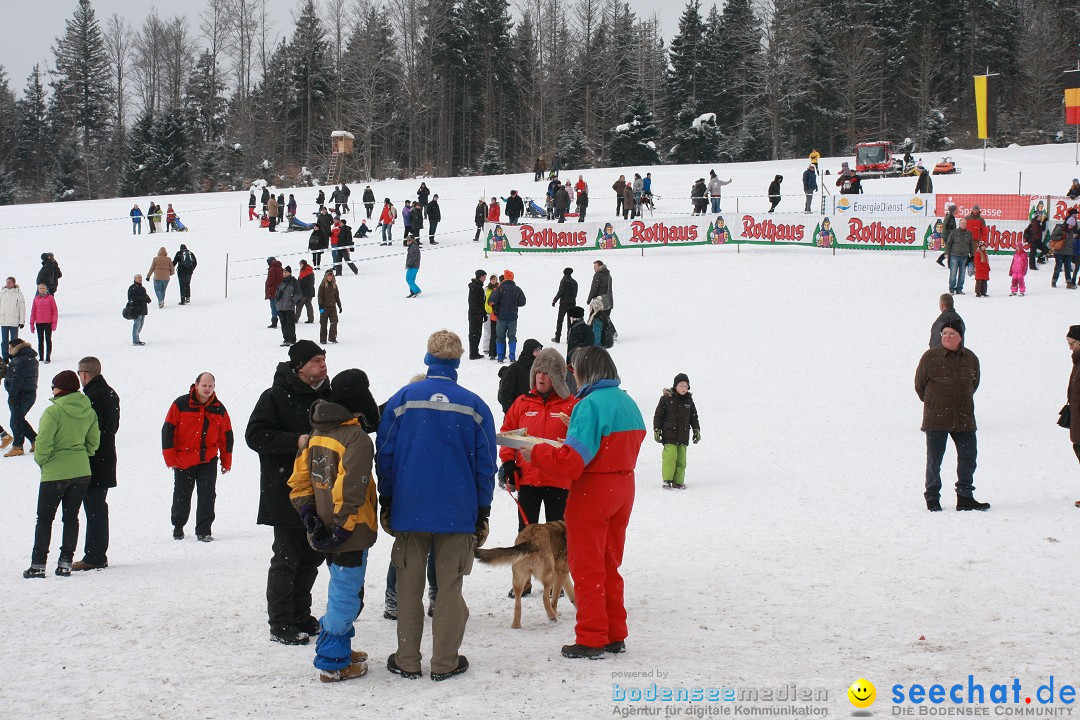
{"points": [[862, 693]]}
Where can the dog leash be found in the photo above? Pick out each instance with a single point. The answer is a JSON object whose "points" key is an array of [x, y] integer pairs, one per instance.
{"points": [[521, 511]]}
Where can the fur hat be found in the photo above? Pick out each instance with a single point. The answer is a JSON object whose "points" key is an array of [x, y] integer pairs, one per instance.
{"points": [[66, 381], [508, 274], [681, 377], [1074, 332], [351, 390], [550, 361], [301, 352]]}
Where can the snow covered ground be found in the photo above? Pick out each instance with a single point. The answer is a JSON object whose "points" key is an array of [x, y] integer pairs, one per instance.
{"points": [[801, 554]]}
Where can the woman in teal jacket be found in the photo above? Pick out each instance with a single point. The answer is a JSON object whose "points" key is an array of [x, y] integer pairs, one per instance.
{"points": [[67, 436]]}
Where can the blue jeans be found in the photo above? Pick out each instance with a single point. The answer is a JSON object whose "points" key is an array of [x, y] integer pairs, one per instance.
{"points": [[966, 452], [386, 232], [136, 327], [334, 646], [716, 205], [159, 289], [506, 331], [273, 310], [6, 333], [20, 429], [410, 277], [1061, 261], [136, 226], [957, 273]]}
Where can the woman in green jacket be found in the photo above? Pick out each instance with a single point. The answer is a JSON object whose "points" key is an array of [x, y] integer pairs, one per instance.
{"points": [[67, 436]]}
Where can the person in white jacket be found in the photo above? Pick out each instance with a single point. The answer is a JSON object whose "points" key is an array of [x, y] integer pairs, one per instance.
{"points": [[12, 313], [715, 184]]}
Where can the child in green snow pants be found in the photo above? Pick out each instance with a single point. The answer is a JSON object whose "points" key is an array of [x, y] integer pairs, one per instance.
{"points": [[674, 420]]}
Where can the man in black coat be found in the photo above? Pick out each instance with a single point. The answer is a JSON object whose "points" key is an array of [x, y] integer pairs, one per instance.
{"points": [[265, 197], [49, 275], [948, 315], [567, 298], [477, 314], [479, 217], [369, 201], [279, 426], [185, 263], [515, 207], [434, 215], [106, 404], [344, 249]]}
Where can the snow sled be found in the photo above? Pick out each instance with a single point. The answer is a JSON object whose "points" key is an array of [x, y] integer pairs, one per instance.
{"points": [[535, 211], [179, 226], [945, 166], [295, 224], [264, 221]]}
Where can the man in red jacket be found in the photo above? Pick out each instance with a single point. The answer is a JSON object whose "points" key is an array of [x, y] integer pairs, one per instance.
{"points": [[197, 431], [274, 273]]}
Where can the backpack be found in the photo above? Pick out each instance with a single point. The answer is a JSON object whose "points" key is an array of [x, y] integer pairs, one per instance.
{"points": [[186, 261], [1057, 237]]}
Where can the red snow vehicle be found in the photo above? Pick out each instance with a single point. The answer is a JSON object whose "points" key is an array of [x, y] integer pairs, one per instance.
{"points": [[946, 167], [875, 160]]}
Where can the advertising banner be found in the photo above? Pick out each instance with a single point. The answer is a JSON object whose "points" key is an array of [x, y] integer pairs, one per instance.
{"points": [[892, 205], [1059, 207], [849, 232], [992, 206]]}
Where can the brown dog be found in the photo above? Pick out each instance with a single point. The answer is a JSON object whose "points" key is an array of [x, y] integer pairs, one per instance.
{"points": [[540, 551]]}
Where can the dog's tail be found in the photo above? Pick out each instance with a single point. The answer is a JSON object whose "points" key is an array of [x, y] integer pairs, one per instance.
{"points": [[504, 556]]}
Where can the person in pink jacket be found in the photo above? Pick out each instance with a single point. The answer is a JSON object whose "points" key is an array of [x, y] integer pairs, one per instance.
{"points": [[43, 317], [1017, 270]]}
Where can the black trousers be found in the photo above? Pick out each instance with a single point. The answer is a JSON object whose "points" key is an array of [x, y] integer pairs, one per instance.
{"points": [[476, 331], [305, 302], [203, 477], [44, 341], [581, 214], [316, 259], [491, 343], [432, 224], [51, 495], [96, 507], [370, 207], [966, 453], [287, 318], [618, 204], [293, 570], [530, 497], [564, 312], [185, 286]]}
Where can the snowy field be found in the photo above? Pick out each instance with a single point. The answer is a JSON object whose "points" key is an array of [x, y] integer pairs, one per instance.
{"points": [[802, 552]]}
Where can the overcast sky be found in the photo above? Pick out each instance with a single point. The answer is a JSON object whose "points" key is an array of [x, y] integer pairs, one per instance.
{"points": [[32, 33]]}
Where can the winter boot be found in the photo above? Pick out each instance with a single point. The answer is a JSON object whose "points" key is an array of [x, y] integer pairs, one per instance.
{"points": [[933, 505], [34, 571], [968, 502], [462, 666], [513, 351], [15, 451], [310, 626], [178, 532], [5, 440], [355, 670], [288, 635], [392, 666], [63, 567], [619, 646], [500, 352], [582, 651]]}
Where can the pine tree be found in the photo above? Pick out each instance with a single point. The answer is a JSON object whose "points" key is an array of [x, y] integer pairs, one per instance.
{"points": [[137, 176], [697, 138], [82, 95], [205, 101], [685, 59], [573, 146], [310, 74], [491, 161], [70, 171], [34, 160], [168, 153], [738, 49], [634, 141]]}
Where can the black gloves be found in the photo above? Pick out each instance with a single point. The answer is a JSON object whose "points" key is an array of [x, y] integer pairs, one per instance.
{"points": [[658, 434], [697, 436], [310, 518], [329, 541], [482, 525], [510, 473]]}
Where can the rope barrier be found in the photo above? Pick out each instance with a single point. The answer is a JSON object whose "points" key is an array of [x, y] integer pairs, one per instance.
{"points": [[99, 220]]}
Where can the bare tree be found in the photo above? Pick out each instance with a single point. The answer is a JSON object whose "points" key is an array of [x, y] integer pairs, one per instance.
{"points": [[119, 38], [215, 23], [240, 42], [178, 57], [147, 63], [340, 17]]}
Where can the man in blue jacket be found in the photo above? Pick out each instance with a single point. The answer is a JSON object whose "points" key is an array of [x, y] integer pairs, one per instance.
{"points": [[436, 460], [809, 185]]}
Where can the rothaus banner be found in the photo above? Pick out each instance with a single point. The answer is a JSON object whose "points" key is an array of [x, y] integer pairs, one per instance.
{"points": [[863, 232]]}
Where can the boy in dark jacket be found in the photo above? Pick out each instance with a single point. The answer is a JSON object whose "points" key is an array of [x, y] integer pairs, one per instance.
{"points": [[333, 492], [675, 416], [515, 379], [480, 217]]}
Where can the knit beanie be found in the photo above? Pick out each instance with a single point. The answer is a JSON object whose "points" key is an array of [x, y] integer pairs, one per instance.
{"points": [[1074, 332], [66, 381], [681, 377], [351, 389], [301, 352]]}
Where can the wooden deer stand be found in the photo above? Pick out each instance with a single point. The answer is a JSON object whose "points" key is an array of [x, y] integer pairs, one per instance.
{"points": [[341, 144]]}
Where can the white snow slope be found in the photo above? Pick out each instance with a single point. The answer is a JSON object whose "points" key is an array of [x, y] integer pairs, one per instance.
{"points": [[801, 553]]}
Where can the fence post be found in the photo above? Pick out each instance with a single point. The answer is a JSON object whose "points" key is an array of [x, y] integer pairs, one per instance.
{"points": [[226, 276]]}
